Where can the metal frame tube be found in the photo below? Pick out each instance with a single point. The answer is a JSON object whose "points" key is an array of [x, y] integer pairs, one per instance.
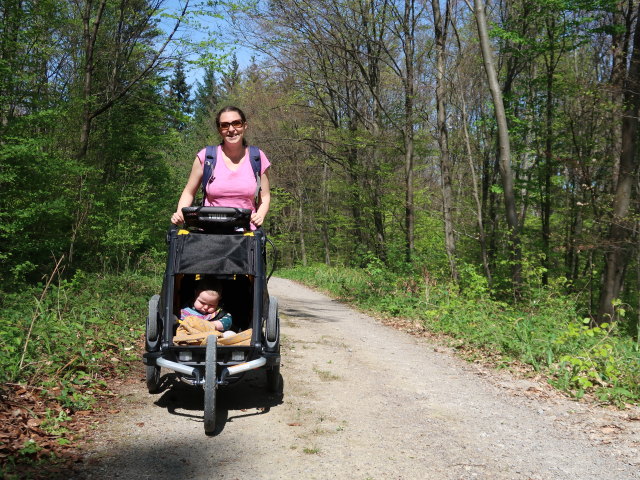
{"points": [[178, 367], [243, 367]]}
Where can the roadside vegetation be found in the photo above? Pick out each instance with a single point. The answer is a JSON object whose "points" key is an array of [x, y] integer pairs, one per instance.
{"points": [[497, 208], [544, 331], [63, 341]]}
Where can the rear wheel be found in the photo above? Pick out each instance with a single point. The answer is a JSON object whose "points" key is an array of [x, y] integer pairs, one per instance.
{"points": [[273, 323], [153, 378], [274, 379], [151, 334], [210, 385]]}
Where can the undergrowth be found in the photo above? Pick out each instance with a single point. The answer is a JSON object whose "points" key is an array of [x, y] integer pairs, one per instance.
{"points": [[545, 331], [71, 335], [64, 340]]}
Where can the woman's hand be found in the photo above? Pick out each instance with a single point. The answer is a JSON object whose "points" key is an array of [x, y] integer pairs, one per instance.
{"points": [[257, 219], [177, 218]]}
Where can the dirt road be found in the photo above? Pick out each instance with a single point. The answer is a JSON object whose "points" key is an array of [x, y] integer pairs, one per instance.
{"points": [[365, 401]]}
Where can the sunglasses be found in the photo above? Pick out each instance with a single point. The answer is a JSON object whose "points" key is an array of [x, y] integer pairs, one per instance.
{"points": [[235, 124]]}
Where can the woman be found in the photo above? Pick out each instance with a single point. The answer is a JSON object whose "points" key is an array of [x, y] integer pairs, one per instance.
{"points": [[234, 183]]}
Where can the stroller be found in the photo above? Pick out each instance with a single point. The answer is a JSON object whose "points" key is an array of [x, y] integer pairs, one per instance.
{"points": [[216, 242]]}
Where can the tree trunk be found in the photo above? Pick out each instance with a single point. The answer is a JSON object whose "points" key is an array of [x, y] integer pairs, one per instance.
{"points": [[504, 155], [443, 138], [476, 196], [325, 214], [618, 242], [409, 53]]}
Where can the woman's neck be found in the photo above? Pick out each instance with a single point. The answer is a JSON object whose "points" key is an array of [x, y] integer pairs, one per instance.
{"points": [[235, 153]]}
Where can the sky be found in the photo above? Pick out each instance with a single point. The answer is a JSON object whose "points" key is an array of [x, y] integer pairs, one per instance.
{"points": [[194, 73]]}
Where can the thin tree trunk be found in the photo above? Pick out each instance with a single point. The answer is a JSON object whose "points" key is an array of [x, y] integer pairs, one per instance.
{"points": [[325, 214], [409, 53], [443, 138], [481, 234], [301, 222], [618, 240], [503, 144], [546, 177], [90, 35]]}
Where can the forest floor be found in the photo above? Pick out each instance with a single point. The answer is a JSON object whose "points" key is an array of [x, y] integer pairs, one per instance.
{"points": [[362, 400]]}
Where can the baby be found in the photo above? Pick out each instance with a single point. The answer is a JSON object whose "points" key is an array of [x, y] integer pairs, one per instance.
{"points": [[207, 307]]}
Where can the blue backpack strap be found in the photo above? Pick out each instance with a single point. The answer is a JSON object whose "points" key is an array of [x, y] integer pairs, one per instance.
{"points": [[207, 168], [254, 158]]}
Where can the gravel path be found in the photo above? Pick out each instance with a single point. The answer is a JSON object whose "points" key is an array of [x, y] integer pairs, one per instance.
{"points": [[364, 401]]}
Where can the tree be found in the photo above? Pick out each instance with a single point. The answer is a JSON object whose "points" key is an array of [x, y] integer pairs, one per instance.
{"points": [[619, 248], [441, 28], [504, 148], [179, 93]]}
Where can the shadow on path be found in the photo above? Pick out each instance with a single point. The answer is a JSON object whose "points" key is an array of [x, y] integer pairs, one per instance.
{"points": [[233, 401]]}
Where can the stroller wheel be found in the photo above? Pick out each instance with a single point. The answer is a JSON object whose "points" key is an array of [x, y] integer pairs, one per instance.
{"points": [[151, 334], [210, 385], [274, 379], [153, 378]]}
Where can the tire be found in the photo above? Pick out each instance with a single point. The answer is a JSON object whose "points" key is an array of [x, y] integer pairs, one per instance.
{"points": [[274, 379], [210, 386], [152, 333], [153, 378], [273, 323]]}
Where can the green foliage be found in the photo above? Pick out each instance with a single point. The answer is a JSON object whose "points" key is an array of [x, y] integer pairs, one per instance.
{"points": [[545, 332], [601, 361], [83, 331]]}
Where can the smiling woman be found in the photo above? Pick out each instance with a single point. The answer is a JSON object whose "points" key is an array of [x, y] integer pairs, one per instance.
{"points": [[232, 183]]}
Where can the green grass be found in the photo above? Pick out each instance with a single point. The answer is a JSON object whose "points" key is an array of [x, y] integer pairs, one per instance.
{"points": [[545, 331]]}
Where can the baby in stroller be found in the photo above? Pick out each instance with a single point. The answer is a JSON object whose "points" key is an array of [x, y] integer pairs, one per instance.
{"points": [[206, 314]]}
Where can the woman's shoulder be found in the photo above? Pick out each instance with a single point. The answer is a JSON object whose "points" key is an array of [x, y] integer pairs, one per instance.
{"points": [[201, 155], [264, 161]]}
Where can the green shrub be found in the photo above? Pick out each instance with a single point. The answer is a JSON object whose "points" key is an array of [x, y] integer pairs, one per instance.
{"points": [[80, 332], [545, 331]]}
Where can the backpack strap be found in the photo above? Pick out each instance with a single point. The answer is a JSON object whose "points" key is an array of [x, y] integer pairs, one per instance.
{"points": [[208, 166], [254, 158]]}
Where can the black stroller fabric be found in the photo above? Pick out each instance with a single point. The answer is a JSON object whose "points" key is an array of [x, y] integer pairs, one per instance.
{"points": [[219, 254]]}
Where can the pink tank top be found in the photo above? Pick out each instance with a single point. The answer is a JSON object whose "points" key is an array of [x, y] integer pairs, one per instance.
{"points": [[233, 188]]}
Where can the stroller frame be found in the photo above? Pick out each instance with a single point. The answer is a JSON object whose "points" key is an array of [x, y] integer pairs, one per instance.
{"points": [[213, 246]]}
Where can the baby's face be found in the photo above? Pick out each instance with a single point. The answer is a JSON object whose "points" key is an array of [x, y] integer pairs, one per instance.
{"points": [[207, 301]]}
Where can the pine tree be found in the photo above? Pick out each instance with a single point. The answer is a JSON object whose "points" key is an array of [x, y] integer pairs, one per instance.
{"points": [[207, 94], [232, 77], [179, 96]]}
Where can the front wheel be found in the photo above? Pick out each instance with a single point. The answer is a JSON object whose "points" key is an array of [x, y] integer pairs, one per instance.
{"points": [[153, 378], [210, 385]]}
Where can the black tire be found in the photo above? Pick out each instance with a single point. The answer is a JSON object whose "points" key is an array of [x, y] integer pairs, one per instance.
{"points": [[152, 333], [274, 379], [210, 385], [273, 323], [153, 378]]}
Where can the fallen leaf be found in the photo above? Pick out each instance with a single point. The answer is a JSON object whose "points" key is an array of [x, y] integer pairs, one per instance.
{"points": [[32, 423], [610, 429], [294, 424]]}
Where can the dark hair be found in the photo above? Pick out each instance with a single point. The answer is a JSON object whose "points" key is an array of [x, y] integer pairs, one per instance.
{"points": [[231, 108], [209, 283]]}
